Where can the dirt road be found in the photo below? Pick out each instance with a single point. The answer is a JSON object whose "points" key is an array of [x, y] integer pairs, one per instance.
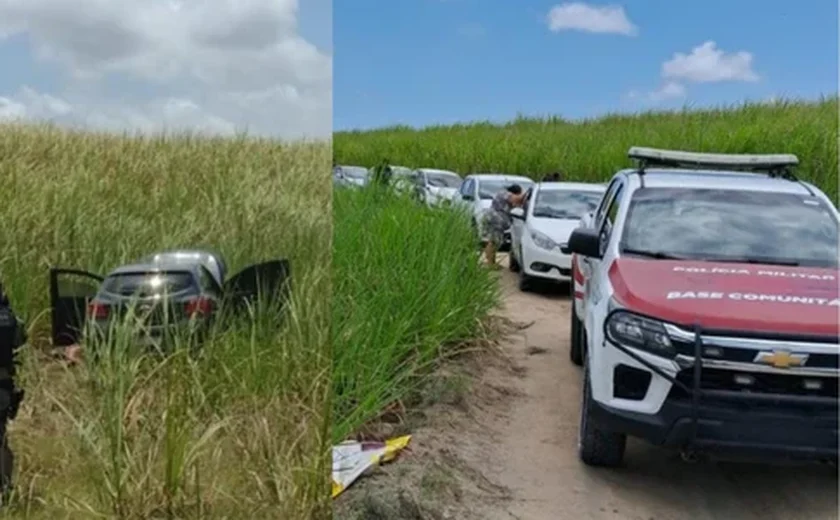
{"points": [[536, 461], [509, 452]]}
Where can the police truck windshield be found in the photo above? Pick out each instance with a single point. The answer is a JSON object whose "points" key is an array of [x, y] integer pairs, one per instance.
{"points": [[732, 225]]}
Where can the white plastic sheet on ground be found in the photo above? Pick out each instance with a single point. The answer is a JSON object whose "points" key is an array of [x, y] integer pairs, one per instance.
{"points": [[351, 459]]}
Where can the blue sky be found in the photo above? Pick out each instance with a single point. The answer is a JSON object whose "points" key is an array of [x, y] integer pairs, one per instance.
{"points": [[422, 62]]}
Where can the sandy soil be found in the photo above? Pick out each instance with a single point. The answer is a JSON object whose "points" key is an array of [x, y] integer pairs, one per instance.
{"points": [[508, 451]]}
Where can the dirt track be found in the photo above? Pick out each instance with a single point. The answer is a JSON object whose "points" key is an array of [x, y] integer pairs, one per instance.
{"points": [[509, 451], [534, 440]]}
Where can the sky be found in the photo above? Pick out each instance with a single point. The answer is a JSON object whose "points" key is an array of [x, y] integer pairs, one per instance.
{"points": [[426, 62], [299, 68], [210, 66]]}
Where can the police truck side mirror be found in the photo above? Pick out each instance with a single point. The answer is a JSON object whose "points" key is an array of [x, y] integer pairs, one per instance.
{"points": [[584, 242]]}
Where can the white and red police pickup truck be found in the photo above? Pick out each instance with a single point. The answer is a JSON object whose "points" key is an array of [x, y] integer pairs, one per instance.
{"points": [[706, 309]]}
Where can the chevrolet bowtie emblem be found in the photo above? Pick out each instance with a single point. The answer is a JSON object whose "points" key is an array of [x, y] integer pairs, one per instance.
{"points": [[781, 359]]}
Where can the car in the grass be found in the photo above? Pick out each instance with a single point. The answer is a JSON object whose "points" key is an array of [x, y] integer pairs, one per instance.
{"points": [[476, 194], [705, 310], [167, 294], [347, 176], [436, 187], [401, 179], [543, 225]]}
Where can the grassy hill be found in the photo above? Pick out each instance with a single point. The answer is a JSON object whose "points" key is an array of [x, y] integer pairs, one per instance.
{"points": [[594, 149]]}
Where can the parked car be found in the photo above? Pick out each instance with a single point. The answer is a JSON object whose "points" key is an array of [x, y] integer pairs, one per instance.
{"points": [[477, 192], [542, 227], [402, 178], [436, 187], [168, 293], [705, 310], [344, 176]]}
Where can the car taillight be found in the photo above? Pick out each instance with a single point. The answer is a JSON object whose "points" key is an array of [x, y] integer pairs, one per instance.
{"points": [[97, 310], [198, 306]]}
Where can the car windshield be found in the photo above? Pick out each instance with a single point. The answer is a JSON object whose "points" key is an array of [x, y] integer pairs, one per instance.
{"points": [[143, 284], [565, 204], [443, 180], [487, 189], [354, 172], [732, 225]]}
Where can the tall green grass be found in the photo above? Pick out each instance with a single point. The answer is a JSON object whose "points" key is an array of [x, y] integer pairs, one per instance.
{"points": [[593, 150], [242, 431], [408, 288]]}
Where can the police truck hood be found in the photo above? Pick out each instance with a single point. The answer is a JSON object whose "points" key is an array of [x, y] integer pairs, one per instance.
{"points": [[732, 297]]}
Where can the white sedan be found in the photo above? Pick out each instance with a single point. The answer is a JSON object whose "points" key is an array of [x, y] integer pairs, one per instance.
{"points": [[436, 187], [551, 212], [476, 196]]}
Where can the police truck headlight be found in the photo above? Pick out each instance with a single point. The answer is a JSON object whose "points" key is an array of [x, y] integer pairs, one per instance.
{"points": [[542, 240], [631, 330]]}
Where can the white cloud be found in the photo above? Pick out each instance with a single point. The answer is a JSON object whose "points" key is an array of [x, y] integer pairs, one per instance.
{"points": [[216, 65], [578, 16], [668, 90], [705, 64], [708, 64]]}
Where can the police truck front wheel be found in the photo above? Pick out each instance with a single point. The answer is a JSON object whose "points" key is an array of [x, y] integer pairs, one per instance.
{"points": [[597, 447]]}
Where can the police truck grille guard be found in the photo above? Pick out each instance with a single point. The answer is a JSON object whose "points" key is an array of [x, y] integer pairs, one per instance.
{"points": [[695, 390]]}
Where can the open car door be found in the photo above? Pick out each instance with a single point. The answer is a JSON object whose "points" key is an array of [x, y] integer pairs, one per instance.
{"points": [[268, 282], [70, 292]]}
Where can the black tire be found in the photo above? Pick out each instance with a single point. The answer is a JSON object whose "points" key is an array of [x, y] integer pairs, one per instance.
{"points": [[526, 283], [576, 343], [597, 447], [513, 263]]}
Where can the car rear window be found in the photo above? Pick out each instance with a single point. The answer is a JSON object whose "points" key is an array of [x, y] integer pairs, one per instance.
{"points": [[734, 225], [148, 283]]}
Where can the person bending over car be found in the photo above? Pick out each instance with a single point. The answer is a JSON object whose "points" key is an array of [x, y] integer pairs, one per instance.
{"points": [[497, 220]]}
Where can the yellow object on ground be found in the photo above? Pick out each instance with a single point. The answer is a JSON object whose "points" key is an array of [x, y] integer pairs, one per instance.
{"points": [[351, 459]]}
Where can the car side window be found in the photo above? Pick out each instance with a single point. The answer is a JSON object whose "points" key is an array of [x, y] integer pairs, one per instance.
{"points": [[465, 186], [207, 282], [610, 216], [470, 188], [605, 201], [529, 193]]}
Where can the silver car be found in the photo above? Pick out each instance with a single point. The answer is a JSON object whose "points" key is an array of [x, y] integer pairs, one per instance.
{"points": [[348, 176], [165, 294]]}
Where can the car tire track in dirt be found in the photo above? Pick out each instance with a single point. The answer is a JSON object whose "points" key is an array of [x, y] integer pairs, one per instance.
{"points": [[509, 452]]}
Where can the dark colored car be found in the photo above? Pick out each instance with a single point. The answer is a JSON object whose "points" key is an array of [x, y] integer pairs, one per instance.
{"points": [[168, 294]]}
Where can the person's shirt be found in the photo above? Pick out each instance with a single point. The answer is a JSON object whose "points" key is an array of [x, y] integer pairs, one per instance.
{"points": [[501, 206]]}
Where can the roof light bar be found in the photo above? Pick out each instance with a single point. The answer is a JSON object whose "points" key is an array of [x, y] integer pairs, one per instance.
{"points": [[769, 163]]}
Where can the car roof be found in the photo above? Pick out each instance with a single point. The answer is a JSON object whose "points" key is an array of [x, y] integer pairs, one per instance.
{"points": [[716, 179], [576, 186], [178, 260], [351, 166], [435, 170], [500, 177]]}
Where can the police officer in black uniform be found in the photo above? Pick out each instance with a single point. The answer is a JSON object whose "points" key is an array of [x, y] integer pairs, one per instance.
{"points": [[12, 337]]}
